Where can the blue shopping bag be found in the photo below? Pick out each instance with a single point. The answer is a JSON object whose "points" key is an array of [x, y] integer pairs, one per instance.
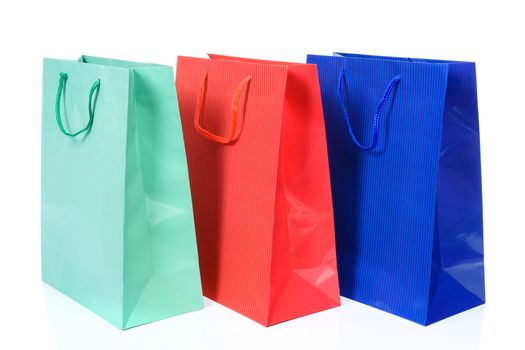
{"points": [[403, 142]]}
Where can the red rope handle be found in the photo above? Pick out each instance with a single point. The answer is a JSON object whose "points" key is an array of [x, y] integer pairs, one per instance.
{"points": [[234, 111]]}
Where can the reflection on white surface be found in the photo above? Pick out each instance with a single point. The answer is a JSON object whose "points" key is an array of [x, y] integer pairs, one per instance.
{"points": [[351, 326]]}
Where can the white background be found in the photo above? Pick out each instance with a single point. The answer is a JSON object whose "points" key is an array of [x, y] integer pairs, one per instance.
{"points": [[33, 316]]}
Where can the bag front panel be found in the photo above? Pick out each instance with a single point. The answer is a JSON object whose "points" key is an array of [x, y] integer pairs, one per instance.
{"points": [[83, 185], [233, 185], [384, 199]]}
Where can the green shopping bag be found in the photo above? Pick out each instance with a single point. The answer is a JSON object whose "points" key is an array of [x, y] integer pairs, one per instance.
{"points": [[117, 220]]}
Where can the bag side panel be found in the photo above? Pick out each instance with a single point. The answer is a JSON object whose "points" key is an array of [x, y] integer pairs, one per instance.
{"points": [[304, 268], [161, 274], [457, 265]]}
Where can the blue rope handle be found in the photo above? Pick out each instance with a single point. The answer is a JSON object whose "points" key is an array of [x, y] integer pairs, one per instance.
{"points": [[377, 118], [94, 89]]}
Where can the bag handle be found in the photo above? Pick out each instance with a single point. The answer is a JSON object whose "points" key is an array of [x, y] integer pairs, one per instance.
{"points": [[234, 111], [91, 108], [378, 115]]}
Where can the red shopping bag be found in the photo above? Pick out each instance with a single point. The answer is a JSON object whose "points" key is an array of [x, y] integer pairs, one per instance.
{"points": [[258, 164]]}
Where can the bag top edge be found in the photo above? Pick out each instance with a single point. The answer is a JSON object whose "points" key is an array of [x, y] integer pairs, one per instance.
{"points": [[336, 55], [248, 61]]}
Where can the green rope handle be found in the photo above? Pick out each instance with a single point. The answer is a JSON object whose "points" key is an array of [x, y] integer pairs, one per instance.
{"points": [[94, 88]]}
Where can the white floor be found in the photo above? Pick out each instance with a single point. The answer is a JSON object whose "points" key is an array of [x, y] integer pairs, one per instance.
{"points": [[353, 325]]}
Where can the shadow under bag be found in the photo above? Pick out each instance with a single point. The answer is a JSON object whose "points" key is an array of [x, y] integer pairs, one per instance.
{"points": [[403, 142]]}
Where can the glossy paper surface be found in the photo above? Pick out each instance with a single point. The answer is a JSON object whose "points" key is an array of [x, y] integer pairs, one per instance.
{"points": [[408, 214], [117, 223], [262, 203]]}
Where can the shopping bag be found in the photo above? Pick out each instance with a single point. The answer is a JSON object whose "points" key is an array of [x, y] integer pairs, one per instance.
{"points": [[403, 143], [258, 165], [117, 222]]}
